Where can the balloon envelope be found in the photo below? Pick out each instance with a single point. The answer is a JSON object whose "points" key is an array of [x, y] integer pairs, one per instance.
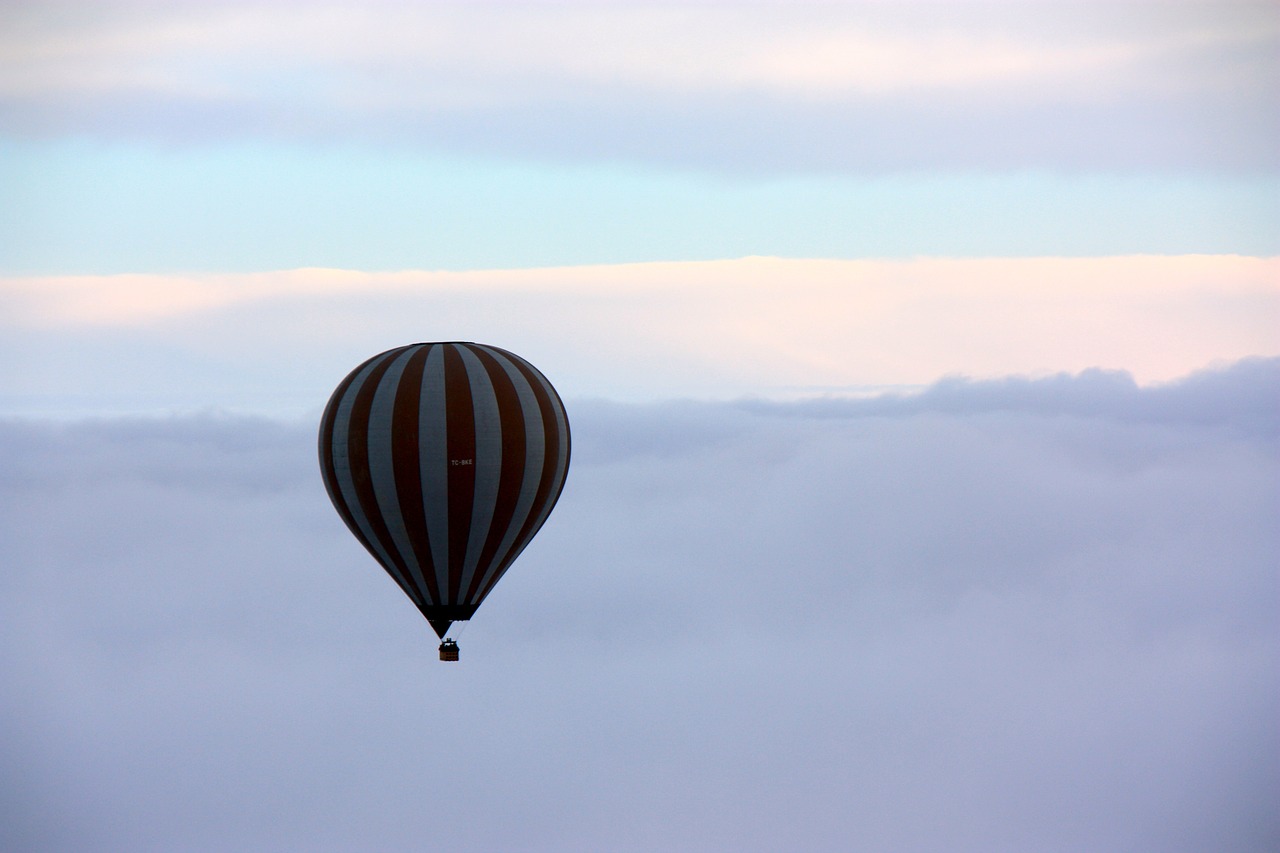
{"points": [[444, 460]]}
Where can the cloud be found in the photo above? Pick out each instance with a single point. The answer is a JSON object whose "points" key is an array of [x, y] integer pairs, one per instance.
{"points": [[279, 342], [755, 87], [1209, 397], [1006, 615], [813, 52]]}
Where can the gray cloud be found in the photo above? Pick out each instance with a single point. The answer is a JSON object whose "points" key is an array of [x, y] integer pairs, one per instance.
{"points": [[1033, 615], [1225, 395], [733, 134], [857, 89]]}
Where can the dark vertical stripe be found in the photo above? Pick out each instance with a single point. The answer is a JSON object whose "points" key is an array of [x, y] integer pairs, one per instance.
{"points": [[382, 468], [343, 476], [358, 450], [460, 438], [535, 455], [554, 467], [565, 446], [433, 458], [407, 465], [513, 461], [327, 422], [488, 459], [333, 442]]}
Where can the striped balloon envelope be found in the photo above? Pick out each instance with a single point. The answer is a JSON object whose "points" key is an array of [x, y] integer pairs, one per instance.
{"points": [[444, 460]]}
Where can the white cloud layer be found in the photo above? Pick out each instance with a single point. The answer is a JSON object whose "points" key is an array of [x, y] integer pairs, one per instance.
{"points": [[1033, 615], [279, 342]]}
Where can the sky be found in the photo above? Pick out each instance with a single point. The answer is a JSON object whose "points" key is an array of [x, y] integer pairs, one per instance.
{"points": [[922, 362]]}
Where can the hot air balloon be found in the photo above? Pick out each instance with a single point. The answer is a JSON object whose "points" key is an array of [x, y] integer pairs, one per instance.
{"points": [[444, 460]]}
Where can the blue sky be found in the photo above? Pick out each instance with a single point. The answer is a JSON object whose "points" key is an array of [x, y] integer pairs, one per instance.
{"points": [[83, 206], [921, 359]]}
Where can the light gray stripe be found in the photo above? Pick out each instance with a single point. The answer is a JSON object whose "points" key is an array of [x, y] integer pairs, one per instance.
{"points": [[346, 481], [433, 465], [535, 450], [383, 474], [562, 454], [561, 463], [488, 461], [562, 424]]}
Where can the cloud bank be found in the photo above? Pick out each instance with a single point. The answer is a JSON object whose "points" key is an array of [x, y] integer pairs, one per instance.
{"points": [[1033, 615]]}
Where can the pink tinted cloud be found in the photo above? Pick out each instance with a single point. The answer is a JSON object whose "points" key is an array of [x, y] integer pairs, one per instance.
{"points": [[721, 328]]}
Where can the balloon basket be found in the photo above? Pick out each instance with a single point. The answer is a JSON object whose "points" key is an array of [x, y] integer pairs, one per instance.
{"points": [[448, 650]]}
